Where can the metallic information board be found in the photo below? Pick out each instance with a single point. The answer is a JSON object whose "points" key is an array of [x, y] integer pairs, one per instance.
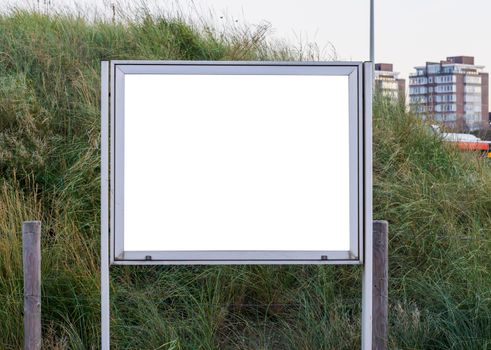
{"points": [[237, 162]]}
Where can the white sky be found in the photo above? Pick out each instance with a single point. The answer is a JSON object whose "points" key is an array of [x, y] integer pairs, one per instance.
{"points": [[408, 32]]}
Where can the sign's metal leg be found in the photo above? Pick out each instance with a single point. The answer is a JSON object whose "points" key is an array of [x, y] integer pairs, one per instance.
{"points": [[367, 279], [105, 305], [366, 296]]}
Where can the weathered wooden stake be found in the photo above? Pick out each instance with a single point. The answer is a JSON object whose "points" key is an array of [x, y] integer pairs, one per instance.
{"points": [[380, 285], [31, 257]]}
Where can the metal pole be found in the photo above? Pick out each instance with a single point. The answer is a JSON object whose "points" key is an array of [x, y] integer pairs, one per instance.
{"points": [[105, 304], [372, 31], [31, 259], [367, 278], [380, 284]]}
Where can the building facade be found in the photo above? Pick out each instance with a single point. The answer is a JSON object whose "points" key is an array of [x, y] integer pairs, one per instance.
{"points": [[453, 92], [387, 82]]}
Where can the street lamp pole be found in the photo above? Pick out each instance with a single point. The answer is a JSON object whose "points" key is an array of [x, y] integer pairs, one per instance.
{"points": [[372, 31]]}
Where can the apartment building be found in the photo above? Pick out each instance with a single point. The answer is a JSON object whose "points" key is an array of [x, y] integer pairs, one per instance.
{"points": [[453, 91], [388, 83]]}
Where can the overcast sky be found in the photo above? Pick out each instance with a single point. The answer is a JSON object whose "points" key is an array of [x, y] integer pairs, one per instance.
{"points": [[408, 32]]}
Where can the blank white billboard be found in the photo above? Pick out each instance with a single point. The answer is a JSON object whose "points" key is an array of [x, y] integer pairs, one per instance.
{"points": [[254, 163]]}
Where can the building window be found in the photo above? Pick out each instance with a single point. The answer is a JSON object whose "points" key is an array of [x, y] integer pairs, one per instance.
{"points": [[469, 79], [433, 68], [472, 89]]}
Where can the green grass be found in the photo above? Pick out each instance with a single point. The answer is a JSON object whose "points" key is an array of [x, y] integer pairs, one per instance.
{"points": [[436, 199]]}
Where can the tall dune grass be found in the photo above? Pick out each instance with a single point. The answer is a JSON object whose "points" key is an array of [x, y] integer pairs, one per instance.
{"points": [[436, 199]]}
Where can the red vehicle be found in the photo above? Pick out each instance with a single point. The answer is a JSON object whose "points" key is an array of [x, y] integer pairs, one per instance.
{"points": [[466, 142]]}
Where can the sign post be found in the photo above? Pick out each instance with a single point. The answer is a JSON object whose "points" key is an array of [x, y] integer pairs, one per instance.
{"points": [[243, 162], [367, 277], [105, 301]]}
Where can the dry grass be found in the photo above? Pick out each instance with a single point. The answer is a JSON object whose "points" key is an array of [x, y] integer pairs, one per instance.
{"points": [[437, 201]]}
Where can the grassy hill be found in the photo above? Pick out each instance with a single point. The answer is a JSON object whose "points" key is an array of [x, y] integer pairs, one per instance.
{"points": [[436, 199]]}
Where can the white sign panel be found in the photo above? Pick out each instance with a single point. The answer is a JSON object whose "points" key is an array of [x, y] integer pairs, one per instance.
{"points": [[236, 162]]}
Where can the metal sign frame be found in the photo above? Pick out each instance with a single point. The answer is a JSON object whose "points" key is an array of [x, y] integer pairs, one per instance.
{"points": [[360, 82], [120, 69]]}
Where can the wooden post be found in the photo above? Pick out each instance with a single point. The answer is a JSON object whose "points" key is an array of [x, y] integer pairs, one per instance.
{"points": [[31, 256], [380, 285]]}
